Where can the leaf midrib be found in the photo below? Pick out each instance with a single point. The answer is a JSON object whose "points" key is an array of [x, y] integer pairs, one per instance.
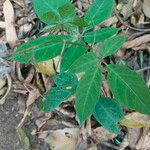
{"points": [[88, 91], [127, 85], [104, 109]]}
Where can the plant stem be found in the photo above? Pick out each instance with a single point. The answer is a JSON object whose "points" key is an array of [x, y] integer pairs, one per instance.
{"points": [[62, 51]]}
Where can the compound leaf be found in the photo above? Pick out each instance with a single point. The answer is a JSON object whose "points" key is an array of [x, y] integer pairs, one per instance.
{"points": [[83, 63], [99, 11], [112, 45], [100, 35], [41, 49], [128, 88], [70, 55], [108, 113], [44, 6], [88, 92]]}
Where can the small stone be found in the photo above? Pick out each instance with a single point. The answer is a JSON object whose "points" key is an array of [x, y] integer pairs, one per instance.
{"points": [[3, 50], [5, 68], [24, 29]]}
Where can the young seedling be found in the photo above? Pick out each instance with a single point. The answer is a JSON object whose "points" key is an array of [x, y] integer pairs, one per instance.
{"points": [[83, 49]]}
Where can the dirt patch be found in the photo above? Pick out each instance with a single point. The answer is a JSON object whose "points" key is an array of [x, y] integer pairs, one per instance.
{"points": [[9, 119]]}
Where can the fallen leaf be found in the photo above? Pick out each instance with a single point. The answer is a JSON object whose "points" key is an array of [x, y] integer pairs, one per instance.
{"points": [[143, 143], [137, 42], [33, 95], [21, 104], [101, 134], [11, 35], [9, 85], [23, 139], [20, 3], [62, 139], [133, 136], [127, 9], [93, 148], [46, 67], [146, 8], [2, 82], [136, 120]]}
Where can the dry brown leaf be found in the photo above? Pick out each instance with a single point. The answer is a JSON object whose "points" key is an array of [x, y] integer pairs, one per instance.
{"points": [[110, 21], [21, 104], [2, 82], [137, 42], [9, 85], [136, 120], [133, 136], [33, 95], [46, 67], [64, 139], [20, 3], [144, 141], [146, 8], [93, 148], [127, 9], [101, 134], [11, 35]]}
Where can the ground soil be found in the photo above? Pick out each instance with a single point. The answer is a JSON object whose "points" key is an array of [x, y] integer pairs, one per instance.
{"points": [[9, 119]]}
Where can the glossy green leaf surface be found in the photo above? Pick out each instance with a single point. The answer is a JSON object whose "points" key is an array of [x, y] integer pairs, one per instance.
{"points": [[108, 113], [100, 35], [44, 6], [70, 55], [128, 88], [99, 11], [88, 92], [112, 45], [83, 63], [41, 49]]}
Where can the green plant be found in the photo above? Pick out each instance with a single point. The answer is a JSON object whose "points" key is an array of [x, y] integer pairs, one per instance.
{"points": [[76, 49]]}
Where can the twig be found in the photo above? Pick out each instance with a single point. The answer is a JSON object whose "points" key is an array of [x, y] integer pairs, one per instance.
{"points": [[24, 118], [143, 69], [62, 51], [127, 25]]}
